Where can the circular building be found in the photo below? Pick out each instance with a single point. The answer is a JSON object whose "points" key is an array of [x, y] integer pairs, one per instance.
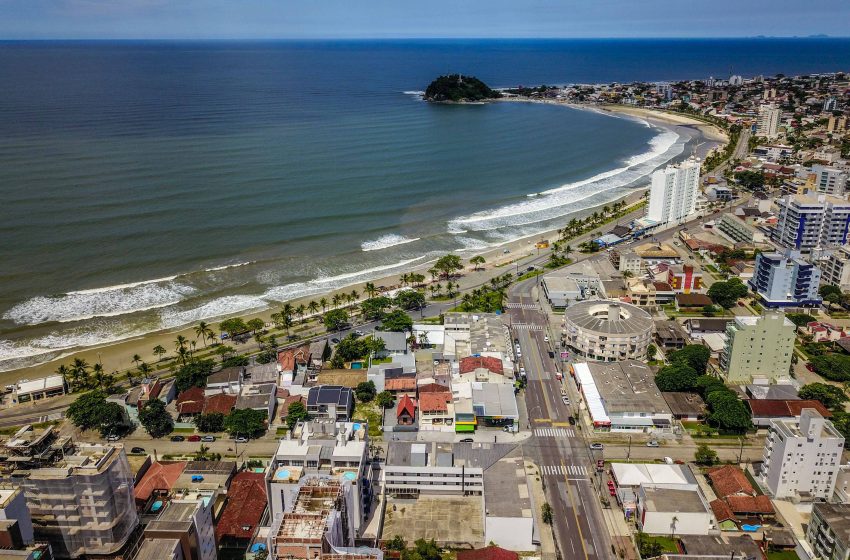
{"points": [[607, 330]]}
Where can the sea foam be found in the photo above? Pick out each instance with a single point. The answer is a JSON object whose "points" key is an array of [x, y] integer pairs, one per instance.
{"points": [[386, 241]]}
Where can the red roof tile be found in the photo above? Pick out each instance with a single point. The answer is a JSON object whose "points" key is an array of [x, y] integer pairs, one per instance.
{"points": [[286, 360], [491, 552], [434, 402], [750, 504], [400, 384], [779, 408], [406, 404], [730, 480], [191, 401], [437, 388], [159, 476], [472, 363], [284, 406], [222, 403], [721, 511], [246, 503]]}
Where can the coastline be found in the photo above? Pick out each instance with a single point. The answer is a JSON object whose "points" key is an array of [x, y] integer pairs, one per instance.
{"points": [[118, 355]]}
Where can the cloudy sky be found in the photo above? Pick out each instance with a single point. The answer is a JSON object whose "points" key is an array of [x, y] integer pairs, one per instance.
{"points": [[297, 19]]}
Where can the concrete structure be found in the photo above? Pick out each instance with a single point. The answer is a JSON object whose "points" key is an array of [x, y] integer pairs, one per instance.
{"points": [[623, 397], [258, 397], [331, 401], [41, 388], [629, 261], [674, 509], [13, 507], [674, 191], [436, 411], [228, 380], [785, 281], [812, 222], [485, 334], [828, 532], [608, 331], [835, 269], [767, 124], [70, 489], [429, 468], [830, 180], [758, 348], [739, 231], [801, 458], [188, 519]]}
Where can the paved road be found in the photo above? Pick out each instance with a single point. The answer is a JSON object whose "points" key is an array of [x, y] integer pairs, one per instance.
{"points": [[566, 466]]}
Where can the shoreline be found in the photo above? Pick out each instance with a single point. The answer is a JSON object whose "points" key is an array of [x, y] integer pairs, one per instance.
{"points": [[118, 355]]}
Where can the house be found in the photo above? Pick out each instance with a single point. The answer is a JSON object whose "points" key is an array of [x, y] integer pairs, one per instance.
{"points": [[190, 402], [258, 397], [41, 388], [394, 342], [401, 385], [228, 380], [664, 509], [259, 374], [774, 391], [221, 403], [740, 547], [766, 410], [485, 369], [821, 332], [154, 479], [331, 401], [729, 480], [436, 410], [688, 407], [288, 399], [670, 335], [406, 411], [696, 327], [692, 301], [491, 552], [244, 511]]}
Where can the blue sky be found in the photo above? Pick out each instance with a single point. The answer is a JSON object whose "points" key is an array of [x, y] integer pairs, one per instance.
{"points": [[266, 19]]}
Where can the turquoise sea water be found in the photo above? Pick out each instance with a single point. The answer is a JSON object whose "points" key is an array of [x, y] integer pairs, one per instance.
{"points": [[151, 185]]}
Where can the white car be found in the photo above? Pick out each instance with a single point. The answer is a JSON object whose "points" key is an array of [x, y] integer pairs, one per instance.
{"points": [[546, 338], [652, 443], [566, 400], [521, 370]]}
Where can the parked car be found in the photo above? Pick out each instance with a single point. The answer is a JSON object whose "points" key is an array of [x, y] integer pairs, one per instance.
{"points": [[467, 440], [652, 443], [334, 341], [241, 439], [360, 333], [566, 400], [195, 437], [810, 367], [600, 465], [113, 437], [596, 446], [178, 438], [546, 338], [572, 421], [208, 438], [139, 450]]}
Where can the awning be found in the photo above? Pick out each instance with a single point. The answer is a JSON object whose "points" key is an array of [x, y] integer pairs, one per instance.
{"points": [[464, 427]]}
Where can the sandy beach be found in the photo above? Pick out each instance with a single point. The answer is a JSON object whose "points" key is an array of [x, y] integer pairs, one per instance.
{"points": [[118, 356]]}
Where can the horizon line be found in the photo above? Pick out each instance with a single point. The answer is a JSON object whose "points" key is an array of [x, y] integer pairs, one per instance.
{"points": [[421, 38]]}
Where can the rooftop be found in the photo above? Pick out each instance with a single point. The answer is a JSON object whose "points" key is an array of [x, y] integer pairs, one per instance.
{"points": [[157, 549], [779, 408], [494, 399], [246, 503], [728, 480], [226, 375], [330, 394], [608, 317], [837, 516], [628, 386], [159, 476], [685, 404], [670, 498], [635, 474]]}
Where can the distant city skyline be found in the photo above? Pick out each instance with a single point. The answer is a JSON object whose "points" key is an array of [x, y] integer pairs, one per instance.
{"points": [[386, 19]]}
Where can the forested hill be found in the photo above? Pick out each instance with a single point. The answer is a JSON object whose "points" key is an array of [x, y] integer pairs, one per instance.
{"points": [[459, 88]]}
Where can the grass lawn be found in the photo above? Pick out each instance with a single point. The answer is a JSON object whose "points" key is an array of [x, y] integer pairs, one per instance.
{"points": [[782, 555], [372, 415], [667, 544]]}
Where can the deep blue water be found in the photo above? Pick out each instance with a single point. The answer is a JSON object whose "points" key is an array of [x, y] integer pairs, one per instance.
{"points": [[151, 163]]}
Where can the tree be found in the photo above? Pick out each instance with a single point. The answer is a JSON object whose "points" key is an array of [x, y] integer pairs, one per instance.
{"points": [[705, 455], [373, 309], [800, 319], [246, 422], [375, 345], [477, 261], [212, 422], [92, 411], [826, 290], [546, 513], [397, 321], [256, 325], [750, 180], [155, 419], [410, 299], [648, 548], [203, 331], [422, 550], [728, 412], [194, 374], [313, 307], [349, 349], [365, 391], [676, 377], [234, 326], [385, 399], [159, 352], [396, 543], [296, 412], [694, 355], [336, 319], [834, 367], [726, 294], [136, 359], [448, 265], [370, 289], [651, 352], [829, 395]]}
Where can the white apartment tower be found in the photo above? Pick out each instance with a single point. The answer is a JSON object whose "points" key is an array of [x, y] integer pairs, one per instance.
{"points": [[811, 222], [768, 121], [801, 457], [674, 192]]}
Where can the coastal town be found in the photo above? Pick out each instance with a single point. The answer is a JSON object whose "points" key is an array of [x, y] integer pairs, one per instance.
{"points": [[666, 376]]}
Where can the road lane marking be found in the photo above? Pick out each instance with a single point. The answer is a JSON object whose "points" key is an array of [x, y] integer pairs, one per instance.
{"points": [[554, 432], [578, 472], [516, 305], [575, 514], [527, 327]]}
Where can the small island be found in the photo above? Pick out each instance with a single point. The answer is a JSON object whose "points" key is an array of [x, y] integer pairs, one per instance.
{"points": [[457, 88]]}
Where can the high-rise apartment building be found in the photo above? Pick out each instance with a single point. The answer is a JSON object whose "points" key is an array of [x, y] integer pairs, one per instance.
{"points": [[829, 180], [836, 269], [767, 124], [785, 280], [674, 191], [758, 348], [812, 222]]}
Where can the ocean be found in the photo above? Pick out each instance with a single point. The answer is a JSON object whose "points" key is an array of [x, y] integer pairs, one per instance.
{"points": [[150, 185]]}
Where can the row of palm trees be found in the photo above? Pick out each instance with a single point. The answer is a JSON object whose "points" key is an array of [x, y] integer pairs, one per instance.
{"points": [[81, 376], [577, 226]]}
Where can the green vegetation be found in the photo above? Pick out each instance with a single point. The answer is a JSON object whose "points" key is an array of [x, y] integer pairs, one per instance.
{"points": [[546, 513], [369, 413], [651, 546], [705, 456], [296, 412], [800, 319], [397, 321], [365, 391], [457, 88], [193, 374], [335, 319], [234, 326], [155, 419], [835, 367], [750, 180], [91, 411], [349, 349], [726, 294], [212, 422], [829, 395], [247, 422], [385, 399], [718, 157], [410, 299], [782, 555]]}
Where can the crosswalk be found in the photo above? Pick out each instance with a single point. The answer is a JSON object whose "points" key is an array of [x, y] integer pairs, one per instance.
{"points": [[527, 327], [516, 305], [563, 470], [554, 432]]}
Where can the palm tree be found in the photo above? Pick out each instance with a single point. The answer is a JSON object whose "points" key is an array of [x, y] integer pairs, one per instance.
{"points": [[439, 287], [80, 373], [434, 273], [144, 369], [335, 300], [567, 250], [159, 352], [98, 374], [605, 209], [180, 343], [324, 303], [370, 289], [354, 296], [300, 311], [136, 359], [182, 353], [477, 261], [64, 371], [313, 307], [203, 331], [627, 274], [287, 310]]}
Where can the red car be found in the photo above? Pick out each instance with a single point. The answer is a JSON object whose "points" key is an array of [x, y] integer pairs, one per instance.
{"points": [[194, 438], [810, 367]]}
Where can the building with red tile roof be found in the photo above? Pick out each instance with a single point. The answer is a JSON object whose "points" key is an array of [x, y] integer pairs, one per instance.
{"points": [[434, 402], [191, 401], [472, 363], [221, 403], [722, 512], [244, 510], [491, 552], [406, 411], [730, 480], [286, 360], [750, 505], [433, 388], [400, 384], [158, 479], [765, 410]]}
